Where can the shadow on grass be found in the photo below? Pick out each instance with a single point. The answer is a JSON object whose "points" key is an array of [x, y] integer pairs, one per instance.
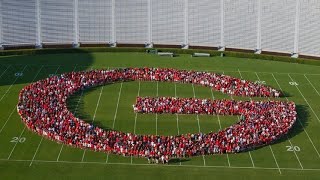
{"points": [[302, 120], [78, 109], [298, 127], [178, 161], [286, 94], [31, 64], [75, 104]]}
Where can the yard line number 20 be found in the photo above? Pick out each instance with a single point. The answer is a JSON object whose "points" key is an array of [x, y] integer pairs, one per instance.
{"points": [[293, 148], [18, 140]]}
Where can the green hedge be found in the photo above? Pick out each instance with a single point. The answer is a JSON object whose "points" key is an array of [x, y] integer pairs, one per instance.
{"points": [[68, 50], [176, 51]]}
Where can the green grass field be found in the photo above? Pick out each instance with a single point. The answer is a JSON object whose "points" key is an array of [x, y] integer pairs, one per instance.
{"points": [[25, 155]]}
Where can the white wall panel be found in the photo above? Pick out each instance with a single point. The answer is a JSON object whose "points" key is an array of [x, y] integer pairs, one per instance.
{"points": [[240, 20], [168, 21], [18, 22], [204, 23], [198, 23], [131, 21], [309, 33], [278, 25], [95, 21], [57, 21]]}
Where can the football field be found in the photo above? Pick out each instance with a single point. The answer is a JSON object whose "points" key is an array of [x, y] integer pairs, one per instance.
{"points": [[26, 155]]}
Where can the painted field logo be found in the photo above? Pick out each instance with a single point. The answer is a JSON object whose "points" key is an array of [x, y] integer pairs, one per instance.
{"points": [[42, 107]]}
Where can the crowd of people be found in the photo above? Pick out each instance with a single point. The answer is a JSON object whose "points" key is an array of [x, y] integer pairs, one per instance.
{"points": [[42, 107], [175, 105]]}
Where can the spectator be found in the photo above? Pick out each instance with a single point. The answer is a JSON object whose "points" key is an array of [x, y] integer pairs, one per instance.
{"points": [[42, 107]]}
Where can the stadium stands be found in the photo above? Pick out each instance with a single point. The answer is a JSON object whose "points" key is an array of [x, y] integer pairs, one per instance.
{"points": [[285, 26]]}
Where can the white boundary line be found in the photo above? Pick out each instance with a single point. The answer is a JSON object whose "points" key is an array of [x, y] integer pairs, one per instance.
{"points": [[220, 128], [305, 99], [12, 84], [287, 135], [199, 127], [274, 157], [157, 165], [94, 117], [12, 150]]}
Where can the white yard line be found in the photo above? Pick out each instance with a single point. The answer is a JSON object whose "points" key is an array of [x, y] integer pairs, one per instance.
{"points": [[135, 119], [175, 94], [177, 116], [12, 84], [155, 165], [220, 127], [41, 137], [14, 147], [287, 135], [4, 71], [304, 128], [239, 120], [14, 109], [12, 150], [312, 84], [305, 99], [157, 113], [115, 114], [199, 127], [58, 157], [274, 157], [94, 117], [251, 159], [275, 160], [36, 151], [194, 95], [74, 112]]}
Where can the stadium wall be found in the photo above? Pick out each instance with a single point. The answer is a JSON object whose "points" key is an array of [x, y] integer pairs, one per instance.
{"points": [[284, 26]]}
